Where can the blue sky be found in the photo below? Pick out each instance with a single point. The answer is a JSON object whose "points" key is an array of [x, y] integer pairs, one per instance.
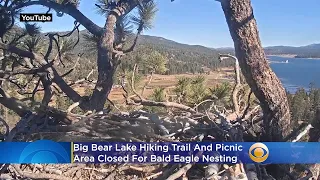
{"points": [[280, 22]]}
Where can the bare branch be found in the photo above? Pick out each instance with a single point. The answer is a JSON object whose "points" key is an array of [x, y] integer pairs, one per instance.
{"points": [[56, 77], [19, 52], [296, 131], [147, 83], [71, 107], [238, 82], [27, 71], [181, 172], [303, 133], [74, 66], [145, 102], [135, 41]]}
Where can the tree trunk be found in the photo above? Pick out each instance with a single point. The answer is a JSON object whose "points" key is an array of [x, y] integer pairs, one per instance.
{"points": [[106, 68], [262, 80], [104, 83], [48, 93], [107, 60]]}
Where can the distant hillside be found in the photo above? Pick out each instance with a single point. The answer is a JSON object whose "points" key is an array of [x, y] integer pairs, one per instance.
{"points": [[182, 57], [309, 51]]}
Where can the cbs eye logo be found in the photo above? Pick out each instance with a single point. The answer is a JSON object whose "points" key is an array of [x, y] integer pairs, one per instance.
{"points": [[258, 152], [44, 151]]}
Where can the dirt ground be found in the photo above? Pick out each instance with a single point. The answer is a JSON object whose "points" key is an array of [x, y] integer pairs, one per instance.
{"points": [[168, 82]]}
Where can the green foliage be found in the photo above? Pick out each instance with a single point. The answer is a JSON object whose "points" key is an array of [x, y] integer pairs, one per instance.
{"points": [[191, 90], [32, 29], [221, 91], [198, 89], [183, 87], [33, 44], [304, 104], [123, 28], [145, 16], [180, 58], [66, 46], [153, 62], [300, 100], [104, 7], [158, 94]]}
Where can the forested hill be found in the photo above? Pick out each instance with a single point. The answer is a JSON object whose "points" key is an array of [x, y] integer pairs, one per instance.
{"points": [[182, 58], [309, 51]]}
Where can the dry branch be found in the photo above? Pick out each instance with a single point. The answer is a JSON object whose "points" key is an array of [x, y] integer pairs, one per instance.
{"points": [[181, 172], [39, 175], [238, 82], [303, 133]]}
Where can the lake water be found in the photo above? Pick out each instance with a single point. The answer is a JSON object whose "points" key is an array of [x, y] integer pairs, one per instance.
{"points": [[297, 73]]}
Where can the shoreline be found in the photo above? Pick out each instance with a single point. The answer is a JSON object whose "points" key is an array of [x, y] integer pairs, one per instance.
{"points": [[291, 56], [284, 55]]}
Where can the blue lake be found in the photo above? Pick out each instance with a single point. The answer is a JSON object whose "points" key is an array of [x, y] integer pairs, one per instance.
{"points": [[297, 73]]}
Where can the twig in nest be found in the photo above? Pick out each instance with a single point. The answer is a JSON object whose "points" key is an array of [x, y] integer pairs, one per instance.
{"points": [[197, 105], [178, 131], [136, 129], [308, 174], [181, 172], [154, 175], [183, 107], [74, 66], [72, 106], [168, 171], [5, 124], [114, 105], [295, 132], [215, 175], [113, 173], [212, 170], [155, 119], [136, 168], [304, 132], [39, 175]]}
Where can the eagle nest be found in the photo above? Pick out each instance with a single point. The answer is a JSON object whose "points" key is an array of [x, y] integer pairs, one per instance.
{"points": [[210, 124]]}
